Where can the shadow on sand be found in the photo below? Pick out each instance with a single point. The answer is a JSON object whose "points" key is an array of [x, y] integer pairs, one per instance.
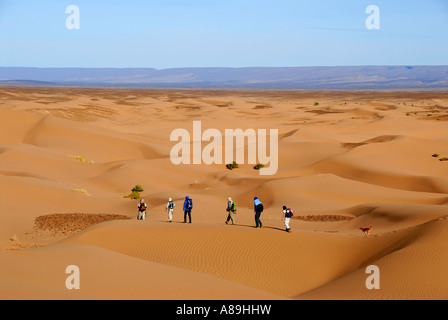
{"points": [[236, 225]]}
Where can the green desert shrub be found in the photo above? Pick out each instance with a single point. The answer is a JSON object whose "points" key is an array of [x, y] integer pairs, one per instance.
{"points": [[135, 192], [83, 191], [137, 188], [232, 165], [435, 155], [258, 166], [133, 195], [443, 159], [82, 159]]}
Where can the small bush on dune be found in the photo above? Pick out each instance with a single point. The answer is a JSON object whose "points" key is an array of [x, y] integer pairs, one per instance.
{"points": [[134, 195], [258, 166], [436, 155], [135, 192], [83, 191], [232, 165], [137, 188], [81, 158]]}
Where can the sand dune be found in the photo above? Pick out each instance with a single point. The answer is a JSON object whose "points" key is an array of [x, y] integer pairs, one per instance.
{"points": [[346, 160], [108, 275], [405, 267]]}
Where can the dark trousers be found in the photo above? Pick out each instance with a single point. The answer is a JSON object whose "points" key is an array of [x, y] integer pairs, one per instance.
{"points": [[257, 219], [186, 212]]}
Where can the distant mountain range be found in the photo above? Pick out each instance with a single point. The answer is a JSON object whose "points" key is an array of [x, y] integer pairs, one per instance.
{"points": [[337, 78]]}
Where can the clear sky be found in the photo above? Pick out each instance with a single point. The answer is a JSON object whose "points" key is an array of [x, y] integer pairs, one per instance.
{"points": [[222, 33]]}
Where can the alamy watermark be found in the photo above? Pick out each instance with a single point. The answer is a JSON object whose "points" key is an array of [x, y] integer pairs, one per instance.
{"points": [[73, 21], [73, 280], [191, 147], [373, 280], [373, 20]]}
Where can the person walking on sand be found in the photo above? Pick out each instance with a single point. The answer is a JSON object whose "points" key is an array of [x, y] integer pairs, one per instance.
{"points": [[188, 206], [258, 209], [170, 208], [231, 209], [141, 210], [287, 215]]}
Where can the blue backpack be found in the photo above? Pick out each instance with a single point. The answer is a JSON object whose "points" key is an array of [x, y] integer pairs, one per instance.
{"points": [[189, 205]]}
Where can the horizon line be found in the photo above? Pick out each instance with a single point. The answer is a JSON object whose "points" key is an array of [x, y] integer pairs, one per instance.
{"points": [[246, 67]]}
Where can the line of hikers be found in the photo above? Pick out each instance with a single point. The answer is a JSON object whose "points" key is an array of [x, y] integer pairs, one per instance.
{"points": [[231, 209]]}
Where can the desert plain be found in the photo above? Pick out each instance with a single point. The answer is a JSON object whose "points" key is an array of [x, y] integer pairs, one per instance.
{"points": [[346, 160]]}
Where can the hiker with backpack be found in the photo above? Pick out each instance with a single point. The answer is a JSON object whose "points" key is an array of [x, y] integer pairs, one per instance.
{"points": [[231, 209], [188, 206], [258, 209], [287, 215], [170, 207], [141, 210]]}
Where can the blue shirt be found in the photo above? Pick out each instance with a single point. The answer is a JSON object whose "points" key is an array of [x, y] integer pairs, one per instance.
{"points": [[256, 203]]}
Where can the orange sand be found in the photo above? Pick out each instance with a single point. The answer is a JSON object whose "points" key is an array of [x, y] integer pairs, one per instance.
{"points": [[365, 156]]}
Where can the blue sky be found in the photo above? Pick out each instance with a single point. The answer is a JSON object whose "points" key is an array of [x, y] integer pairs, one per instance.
{"points": [[223, 33]]}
